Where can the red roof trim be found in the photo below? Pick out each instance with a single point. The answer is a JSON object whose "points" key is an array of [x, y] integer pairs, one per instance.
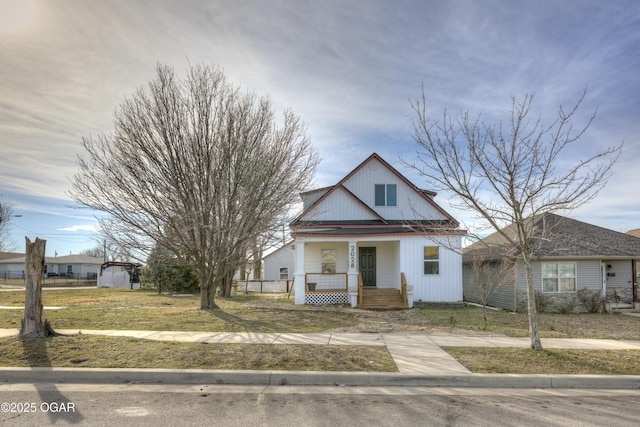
{"points": [[419, 233]]}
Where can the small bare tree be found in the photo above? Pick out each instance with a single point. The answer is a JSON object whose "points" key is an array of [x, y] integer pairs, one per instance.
{"points": [[490, 274], [507, 176], [197, 168], [6, 213], [110, 251]]}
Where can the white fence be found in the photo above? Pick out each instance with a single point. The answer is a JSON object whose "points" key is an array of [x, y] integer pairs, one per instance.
{"points": [[265, 286]]}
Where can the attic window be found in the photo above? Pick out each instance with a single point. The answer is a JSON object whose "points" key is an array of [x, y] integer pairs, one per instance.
{"points": [[386, 195]]}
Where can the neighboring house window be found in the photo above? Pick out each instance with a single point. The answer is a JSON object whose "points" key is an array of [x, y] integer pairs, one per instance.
{"points": [[328, 260], [386, 195], [431, 260], [558, 277], [284, 273]]}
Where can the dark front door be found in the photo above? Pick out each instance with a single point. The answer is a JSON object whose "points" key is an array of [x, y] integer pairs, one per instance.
{"points": [[368, 266]]}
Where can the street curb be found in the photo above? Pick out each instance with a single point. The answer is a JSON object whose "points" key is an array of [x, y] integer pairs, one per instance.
{"points": [[271, 378]]}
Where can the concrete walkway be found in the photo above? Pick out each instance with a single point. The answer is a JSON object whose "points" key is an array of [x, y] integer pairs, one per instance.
{"points": [[419, 358]]}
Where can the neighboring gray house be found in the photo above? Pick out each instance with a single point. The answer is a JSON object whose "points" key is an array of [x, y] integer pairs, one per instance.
{"points": [[573, 255], [9, 255], [278, 265], [75, 266]]}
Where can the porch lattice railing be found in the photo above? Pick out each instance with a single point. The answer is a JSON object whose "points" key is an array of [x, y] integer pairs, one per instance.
{"points": [[325, 282]]}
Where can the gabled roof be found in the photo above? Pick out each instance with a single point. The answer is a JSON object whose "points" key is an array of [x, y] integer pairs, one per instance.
{"points": [[285, 246], [9, 255], [635, 232], [565, 238], [424, 194]]}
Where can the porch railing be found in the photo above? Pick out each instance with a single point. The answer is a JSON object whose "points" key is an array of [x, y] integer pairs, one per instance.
{"points": [[360, 288], [325, 282], [403, 285]]}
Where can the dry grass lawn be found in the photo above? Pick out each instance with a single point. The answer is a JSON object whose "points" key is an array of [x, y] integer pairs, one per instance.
{"points": [[146, 310], [91, 351], [563, 361]]}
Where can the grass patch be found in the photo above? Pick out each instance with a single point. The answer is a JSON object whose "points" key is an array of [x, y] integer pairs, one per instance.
{"points": [[147, 310], [550, 325], [94, 351], [555, 361]]}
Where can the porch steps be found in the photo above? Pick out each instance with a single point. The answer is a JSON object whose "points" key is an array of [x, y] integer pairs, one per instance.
{"points": [[385, 299]]}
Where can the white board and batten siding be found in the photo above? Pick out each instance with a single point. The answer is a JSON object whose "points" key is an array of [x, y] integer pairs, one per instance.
{"points": [[340, 206], [387, 259], [281, 258], [408, 203], [442, 287]]}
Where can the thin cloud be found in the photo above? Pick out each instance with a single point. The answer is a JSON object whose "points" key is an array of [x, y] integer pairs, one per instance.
{"points": [[349, 69], [75, 228]]}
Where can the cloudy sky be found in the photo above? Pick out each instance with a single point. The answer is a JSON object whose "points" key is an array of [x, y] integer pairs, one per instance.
{"points": [[348, 68]]}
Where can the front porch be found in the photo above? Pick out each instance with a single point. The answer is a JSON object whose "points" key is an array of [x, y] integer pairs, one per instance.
{"points": [[332, 288], [336, 271]]}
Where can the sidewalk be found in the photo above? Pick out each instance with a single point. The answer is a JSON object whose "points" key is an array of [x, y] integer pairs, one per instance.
{"points": [[419, 358]]}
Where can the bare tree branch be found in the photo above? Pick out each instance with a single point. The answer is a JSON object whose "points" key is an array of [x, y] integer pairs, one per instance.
{"points": [[6, 213], [511, 176], [198, 168]]}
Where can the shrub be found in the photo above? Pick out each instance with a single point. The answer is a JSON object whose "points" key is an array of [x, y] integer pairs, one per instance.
{"points": [[165, 274], [593, 300], [567, 306], [542, 302]]}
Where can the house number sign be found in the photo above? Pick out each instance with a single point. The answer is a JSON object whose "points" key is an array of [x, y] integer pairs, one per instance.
{"points": [[352, 256]]}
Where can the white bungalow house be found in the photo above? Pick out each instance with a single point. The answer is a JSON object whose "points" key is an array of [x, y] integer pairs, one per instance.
{"points": [[375, 240], [279, 264]]}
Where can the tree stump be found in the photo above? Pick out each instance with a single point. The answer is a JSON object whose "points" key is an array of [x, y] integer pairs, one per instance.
{"points": [[32, 325]]}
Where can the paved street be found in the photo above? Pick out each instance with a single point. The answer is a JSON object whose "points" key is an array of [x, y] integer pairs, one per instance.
{"points": [[419, 357], [170, 405]]}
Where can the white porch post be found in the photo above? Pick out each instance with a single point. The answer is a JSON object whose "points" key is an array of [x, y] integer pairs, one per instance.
{"points": [[299, 276], [352, 273]]}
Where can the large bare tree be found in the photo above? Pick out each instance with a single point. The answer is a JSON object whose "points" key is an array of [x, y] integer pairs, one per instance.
{"points": [[512, 175], [197, 167]]}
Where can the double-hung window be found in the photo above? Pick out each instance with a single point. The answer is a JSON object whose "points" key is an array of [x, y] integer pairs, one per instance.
{"points": [[328, 260], [431, 260], [284, 273], [386, 195], [559, 277]]}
